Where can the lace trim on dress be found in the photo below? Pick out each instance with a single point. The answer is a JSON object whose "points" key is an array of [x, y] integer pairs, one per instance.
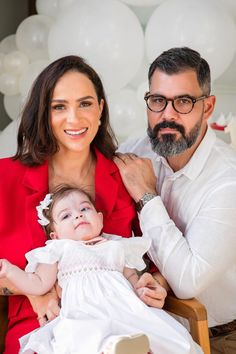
{"points": [[69, 273]]}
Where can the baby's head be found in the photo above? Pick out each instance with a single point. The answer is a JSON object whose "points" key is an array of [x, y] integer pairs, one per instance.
{"points": [[69, 213]]}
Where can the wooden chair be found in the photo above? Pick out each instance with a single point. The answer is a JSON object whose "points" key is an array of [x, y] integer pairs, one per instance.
{"points": [[3, 321], [192, 310], [196, 314]]}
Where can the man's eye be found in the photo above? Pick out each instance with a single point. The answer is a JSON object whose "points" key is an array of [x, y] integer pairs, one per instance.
{"points": [[158, 99], [184, 101]]}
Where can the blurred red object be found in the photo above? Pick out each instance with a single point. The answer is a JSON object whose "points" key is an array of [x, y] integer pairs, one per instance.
{"points": [[217, 127]]}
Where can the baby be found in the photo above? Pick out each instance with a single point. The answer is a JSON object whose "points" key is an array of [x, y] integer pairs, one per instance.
{"points": [[100, 310]]}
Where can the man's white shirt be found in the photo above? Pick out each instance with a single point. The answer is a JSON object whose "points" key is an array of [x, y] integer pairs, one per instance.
{"points": [[192, 224]]}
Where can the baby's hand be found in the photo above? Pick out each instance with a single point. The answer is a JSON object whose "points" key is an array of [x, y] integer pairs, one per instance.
{"points": [[5, 267], [150, 291], [141, 291]]}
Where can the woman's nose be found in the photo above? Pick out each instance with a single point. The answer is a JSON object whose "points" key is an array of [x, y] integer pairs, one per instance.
{"points": [[72, 115]]}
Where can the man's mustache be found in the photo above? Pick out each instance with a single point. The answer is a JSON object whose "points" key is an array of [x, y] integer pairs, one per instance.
{"points": [[171, 125]]}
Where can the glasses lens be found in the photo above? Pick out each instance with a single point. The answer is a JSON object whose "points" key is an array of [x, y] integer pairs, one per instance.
{"points": [[183, 104], [156, 103]]}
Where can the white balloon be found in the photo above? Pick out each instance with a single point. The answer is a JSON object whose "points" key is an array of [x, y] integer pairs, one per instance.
{"points": [[128, 118], [142, 2], [2, 56], [65, 4], [141, 90], [230, 6], [228, 78], [32, 36], [106, 33], [15, 62], [141, 74], [201, 25], [29, 75], [13, 105], [143, 13], [47, 7], [9, 84], [8, 139], [8, 44]]}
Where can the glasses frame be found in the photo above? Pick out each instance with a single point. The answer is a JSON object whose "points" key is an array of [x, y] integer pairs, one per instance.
{"points": [[193, 99]]}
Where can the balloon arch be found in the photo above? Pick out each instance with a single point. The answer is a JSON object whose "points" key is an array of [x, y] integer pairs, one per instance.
{"points": [[119, 38]]}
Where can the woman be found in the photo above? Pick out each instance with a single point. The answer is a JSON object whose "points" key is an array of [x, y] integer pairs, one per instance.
{"points": [[64, 137]]}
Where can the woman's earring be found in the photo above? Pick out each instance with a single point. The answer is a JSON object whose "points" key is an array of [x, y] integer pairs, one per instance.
{"points": [[99, 122]]}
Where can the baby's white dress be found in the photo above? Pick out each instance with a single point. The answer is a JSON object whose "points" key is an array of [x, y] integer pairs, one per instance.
{"points": [[98, 302]]}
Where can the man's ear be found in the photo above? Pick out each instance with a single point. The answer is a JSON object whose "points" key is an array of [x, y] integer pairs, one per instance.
{"points": [[53, 235], [209, 106]]}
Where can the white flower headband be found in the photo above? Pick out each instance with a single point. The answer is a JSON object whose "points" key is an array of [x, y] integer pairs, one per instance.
{"points": [[44, 204]]}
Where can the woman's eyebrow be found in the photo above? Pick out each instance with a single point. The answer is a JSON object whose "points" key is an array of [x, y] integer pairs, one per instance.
{"points": [[61, 100]]}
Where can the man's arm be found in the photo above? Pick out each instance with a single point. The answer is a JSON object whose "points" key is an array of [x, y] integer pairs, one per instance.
{"points": [[193, 260]]}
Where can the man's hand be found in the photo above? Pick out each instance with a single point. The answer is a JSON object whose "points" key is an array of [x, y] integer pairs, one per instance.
{"points": [[137, 174], [46, 307], [150, 291]]}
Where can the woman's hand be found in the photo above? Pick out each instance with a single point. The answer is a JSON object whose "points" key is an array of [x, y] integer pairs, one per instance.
{"points": [[46, 306], [150, 291]]}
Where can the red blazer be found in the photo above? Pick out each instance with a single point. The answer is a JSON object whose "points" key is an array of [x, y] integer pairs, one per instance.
{"points": [[21, 190]]}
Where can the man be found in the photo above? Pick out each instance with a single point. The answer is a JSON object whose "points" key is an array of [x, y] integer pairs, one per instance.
{"points": [[185, 189]]}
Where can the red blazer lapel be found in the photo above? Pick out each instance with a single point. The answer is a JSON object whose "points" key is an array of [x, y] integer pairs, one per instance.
{"points": [[105, 185], [36, 181]]}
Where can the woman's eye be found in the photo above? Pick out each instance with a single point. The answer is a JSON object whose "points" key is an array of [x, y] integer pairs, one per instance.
{"points": [[85, 104], [58, 107]]}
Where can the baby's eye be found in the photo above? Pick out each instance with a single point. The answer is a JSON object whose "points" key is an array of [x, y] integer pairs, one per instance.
{"points": [[85, 209], [65, 216], [58, 107]]}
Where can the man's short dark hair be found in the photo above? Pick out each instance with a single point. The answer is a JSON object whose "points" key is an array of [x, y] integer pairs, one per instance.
{"points": [[176, 60]]}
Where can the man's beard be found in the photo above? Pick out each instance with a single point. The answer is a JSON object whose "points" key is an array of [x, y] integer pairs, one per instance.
{"points": [[167, 145]]}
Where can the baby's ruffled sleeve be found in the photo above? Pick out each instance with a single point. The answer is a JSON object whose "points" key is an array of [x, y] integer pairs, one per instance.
{"points": [[135, 248], [49, 254]]}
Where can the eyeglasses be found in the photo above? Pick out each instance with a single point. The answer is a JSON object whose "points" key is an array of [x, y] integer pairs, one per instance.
{"points": [[182, 104]]}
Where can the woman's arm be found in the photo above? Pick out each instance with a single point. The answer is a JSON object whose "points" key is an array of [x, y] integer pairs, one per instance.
{"points": [[45, 306], [37, 283], [7, 288]]}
